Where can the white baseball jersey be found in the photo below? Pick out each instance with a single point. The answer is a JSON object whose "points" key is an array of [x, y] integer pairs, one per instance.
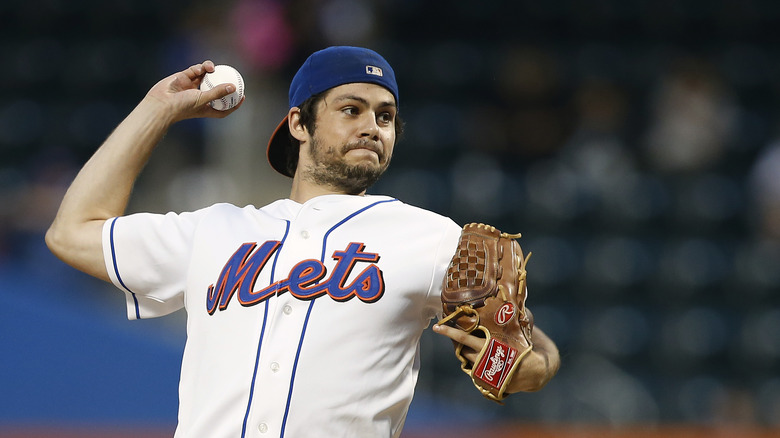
{"points": [[303, 320]]}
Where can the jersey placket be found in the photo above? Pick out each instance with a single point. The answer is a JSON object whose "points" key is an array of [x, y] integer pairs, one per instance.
{"points": [[285, 331]]}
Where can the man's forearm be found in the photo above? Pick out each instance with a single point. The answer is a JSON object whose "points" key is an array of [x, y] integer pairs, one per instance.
{"points": [[539, 367]]}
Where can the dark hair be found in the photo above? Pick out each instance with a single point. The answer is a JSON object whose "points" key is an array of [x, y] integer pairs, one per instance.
{"points": [[308, 120]]}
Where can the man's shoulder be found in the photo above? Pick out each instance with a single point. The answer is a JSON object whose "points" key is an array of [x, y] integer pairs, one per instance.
{"points": [[226, 211], [420, 214], [221, 208]]}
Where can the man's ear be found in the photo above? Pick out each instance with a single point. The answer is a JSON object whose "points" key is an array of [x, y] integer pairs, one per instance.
{"points": [[297, 129]]}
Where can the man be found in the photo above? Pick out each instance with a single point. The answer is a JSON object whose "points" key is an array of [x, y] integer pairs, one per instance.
{"points": [[303, 316]]}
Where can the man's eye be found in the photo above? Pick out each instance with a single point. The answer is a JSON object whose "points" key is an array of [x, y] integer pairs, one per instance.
{"points": [[350, 110], [386, 117]]}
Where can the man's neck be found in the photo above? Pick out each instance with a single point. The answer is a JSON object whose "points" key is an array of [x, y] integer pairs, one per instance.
{"points": [[303, 190]]}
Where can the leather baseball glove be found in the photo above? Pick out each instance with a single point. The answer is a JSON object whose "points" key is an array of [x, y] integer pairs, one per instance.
{"points": [[484, 294]]}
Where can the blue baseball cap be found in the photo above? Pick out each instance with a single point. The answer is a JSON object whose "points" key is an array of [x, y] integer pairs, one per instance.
{"points": [[322, 71]]}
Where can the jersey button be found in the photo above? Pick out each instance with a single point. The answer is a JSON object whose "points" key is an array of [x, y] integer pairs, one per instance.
{"points": [[262, 427], [287, 309], [305, 234], [274, 366]]}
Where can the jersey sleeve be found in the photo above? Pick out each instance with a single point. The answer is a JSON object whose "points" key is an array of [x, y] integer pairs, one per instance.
{"points": [[444, 252], [147, 256]]}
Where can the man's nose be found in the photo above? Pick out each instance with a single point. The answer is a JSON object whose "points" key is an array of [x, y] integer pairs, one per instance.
{"points": [[369, 127]]}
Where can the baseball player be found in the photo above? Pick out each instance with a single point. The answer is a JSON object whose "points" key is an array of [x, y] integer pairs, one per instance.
{"points": [[303, 316]]}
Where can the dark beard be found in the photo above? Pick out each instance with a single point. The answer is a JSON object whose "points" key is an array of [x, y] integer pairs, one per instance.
{"points": [[339, 175]]}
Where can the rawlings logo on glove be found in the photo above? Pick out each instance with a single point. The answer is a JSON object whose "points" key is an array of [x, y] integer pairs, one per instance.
{"points": [[484, 293]]}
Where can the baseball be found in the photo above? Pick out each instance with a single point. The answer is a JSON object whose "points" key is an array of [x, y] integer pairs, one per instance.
{"points": [[224, 74]]}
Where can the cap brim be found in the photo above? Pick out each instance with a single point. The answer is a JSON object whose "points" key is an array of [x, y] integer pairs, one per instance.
{"points": [[278, 147]]}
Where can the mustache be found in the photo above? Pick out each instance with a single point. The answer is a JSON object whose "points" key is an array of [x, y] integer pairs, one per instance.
{"points": [[364, 144]]}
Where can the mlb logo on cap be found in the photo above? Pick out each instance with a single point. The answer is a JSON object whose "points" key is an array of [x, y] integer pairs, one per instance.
{"points": [[340, 65]]}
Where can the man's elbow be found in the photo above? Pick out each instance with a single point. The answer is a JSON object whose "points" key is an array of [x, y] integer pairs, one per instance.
{"points": [[80, 248], [53, 239], [61, 245]]}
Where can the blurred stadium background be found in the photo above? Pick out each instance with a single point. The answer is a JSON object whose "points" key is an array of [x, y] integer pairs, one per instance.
{"points": [[634, 143]]}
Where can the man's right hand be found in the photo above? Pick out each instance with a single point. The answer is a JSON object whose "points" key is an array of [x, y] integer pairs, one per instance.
{"points": [[181, 98]]}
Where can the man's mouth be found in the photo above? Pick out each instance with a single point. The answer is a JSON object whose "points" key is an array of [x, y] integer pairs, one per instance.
{"points": [[365, 145]]}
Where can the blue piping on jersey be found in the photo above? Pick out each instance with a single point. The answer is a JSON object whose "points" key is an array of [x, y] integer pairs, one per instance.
{"points": [[295, 368], [262, 335], [325, 239], [311, 305], [116, 271]]}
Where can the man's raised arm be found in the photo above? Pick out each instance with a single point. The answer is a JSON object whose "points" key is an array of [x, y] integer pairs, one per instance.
{"points": [[102, 188]]}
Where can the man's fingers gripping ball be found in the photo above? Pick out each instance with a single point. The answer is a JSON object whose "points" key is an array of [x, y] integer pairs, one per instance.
{"points": [[195, 72], [222, 74]]}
